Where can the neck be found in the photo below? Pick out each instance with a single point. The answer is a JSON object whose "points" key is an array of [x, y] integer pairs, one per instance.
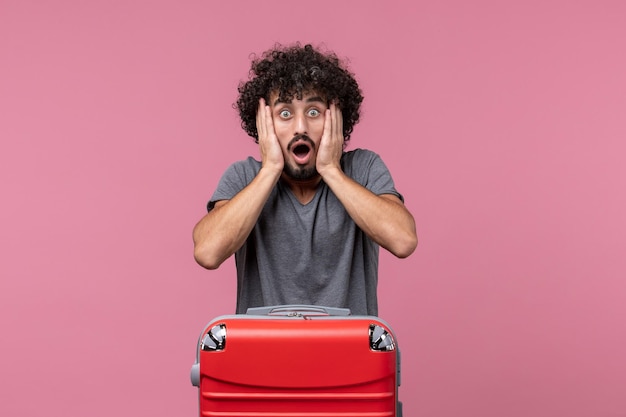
{"points": [[304, 190]]}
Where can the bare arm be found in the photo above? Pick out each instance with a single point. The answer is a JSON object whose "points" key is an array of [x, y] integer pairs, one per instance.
{"points": [[383, 218], [225, 228]]}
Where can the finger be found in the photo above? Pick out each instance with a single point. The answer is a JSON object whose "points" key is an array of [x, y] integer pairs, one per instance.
{"points": [[269, 122], [260, 119], [333, 110], [340, 122], [338, 128]]}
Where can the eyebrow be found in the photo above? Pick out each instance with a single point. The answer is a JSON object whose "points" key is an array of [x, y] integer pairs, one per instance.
{"points": [[308, 100]]}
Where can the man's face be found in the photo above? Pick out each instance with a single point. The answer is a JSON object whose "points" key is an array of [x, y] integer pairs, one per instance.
{"points": [[299, 125]]}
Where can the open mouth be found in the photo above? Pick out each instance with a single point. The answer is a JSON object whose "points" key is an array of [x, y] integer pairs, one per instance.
{"points": [[301, 150]]}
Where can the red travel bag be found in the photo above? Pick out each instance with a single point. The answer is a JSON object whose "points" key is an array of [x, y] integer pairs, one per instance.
{"points": [[297, 361]]}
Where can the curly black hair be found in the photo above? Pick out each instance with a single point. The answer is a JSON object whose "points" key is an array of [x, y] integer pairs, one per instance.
{"points": [[292, 71]]}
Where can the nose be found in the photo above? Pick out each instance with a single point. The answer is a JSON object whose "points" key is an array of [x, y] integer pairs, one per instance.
{"points": [[300, 125]]}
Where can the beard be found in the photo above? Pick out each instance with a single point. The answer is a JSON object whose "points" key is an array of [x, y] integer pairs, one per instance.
{"points": [[300, 173], [297, 172]]}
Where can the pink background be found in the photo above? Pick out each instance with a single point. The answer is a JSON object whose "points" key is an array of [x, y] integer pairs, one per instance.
{"points": [[503, 124]]}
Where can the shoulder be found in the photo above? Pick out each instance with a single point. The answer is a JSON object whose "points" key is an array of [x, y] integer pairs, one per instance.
{"points": [[368, 169], [359, 159], [247, 168], [246, 164], [236, 177]]}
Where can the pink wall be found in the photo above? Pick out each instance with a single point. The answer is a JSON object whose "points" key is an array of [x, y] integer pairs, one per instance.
{"points": [[503, 124]]}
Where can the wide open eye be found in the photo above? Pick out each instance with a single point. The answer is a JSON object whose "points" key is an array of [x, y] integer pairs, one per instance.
{"points": [[284, 114], [314, 113]]}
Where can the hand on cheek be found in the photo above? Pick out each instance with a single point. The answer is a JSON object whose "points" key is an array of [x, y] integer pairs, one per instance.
{"points": [[331, 144], [271, 153]]}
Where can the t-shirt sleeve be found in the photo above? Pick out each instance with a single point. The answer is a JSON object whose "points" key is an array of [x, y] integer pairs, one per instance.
{"points": [[236, 177], [368, 169]]}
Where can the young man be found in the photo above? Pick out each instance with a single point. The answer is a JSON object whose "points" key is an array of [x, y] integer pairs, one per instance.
{"points": [[305, 223]]}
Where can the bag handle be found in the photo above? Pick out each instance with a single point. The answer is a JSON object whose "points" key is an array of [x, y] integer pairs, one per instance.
{"points": [[297, 310]]}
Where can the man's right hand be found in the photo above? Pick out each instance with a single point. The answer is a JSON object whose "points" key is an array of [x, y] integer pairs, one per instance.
{"points": [[225, 228], [271, 153]]}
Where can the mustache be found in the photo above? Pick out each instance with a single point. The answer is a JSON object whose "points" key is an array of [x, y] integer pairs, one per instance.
{"points": [[300, 137]]}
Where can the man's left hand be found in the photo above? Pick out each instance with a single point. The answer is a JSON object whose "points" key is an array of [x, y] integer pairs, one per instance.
{"points": [[331, 144]]}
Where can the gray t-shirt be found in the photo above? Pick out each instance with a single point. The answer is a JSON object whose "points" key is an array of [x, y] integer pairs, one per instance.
{"points": [[310, 253]]}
